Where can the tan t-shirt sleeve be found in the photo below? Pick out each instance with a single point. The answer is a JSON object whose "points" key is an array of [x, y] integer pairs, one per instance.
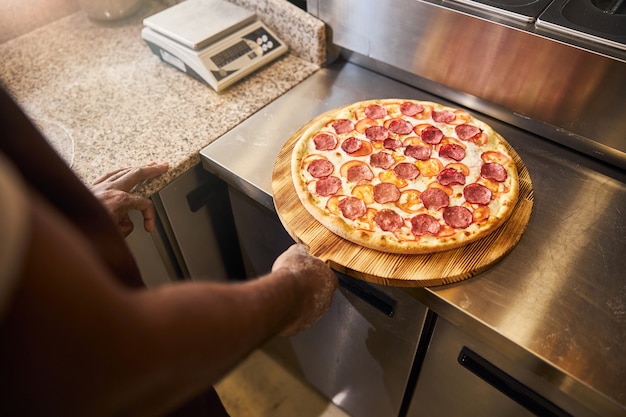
{"points": [[13, 230]]}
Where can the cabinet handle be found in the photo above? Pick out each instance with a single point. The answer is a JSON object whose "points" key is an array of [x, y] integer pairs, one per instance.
{"points": [[202, 195], [508, 385], [368, 293]]}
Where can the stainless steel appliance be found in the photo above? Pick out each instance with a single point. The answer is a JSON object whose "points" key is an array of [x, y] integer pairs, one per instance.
{"points": [[543, 332], [564, 88]]}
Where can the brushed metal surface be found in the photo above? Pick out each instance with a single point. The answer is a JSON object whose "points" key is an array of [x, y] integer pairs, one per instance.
{"points": [[524, 11], [442, 377], [556, 303], [362, 364], [565, 92], [585, 20]]}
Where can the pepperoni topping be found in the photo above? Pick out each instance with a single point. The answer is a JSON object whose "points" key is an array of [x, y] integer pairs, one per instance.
{"points": [[432, 135], [467, 132], [388, 220], [452, 150], [327, 186], [493, 171], [359, 172], [382, 160], [434, 198], [375, 133], [477, 194], [374, 111], [343, 126], [325, 141], [392, 143], [419, 152], [406, 171], [321, 168], [352, 208], [420, 176], [351, 145], [423, 224], [457, 217], [450, 176], [444, 116], [386, 192], [411, 109], [400, 127]]}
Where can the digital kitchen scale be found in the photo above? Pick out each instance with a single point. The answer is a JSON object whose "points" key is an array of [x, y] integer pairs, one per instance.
{"points": [[211, 40]]}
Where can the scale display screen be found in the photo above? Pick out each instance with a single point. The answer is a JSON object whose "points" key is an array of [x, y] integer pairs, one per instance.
{"points": [[229, 55]]}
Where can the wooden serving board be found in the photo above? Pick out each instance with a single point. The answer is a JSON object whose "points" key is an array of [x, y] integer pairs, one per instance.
{"points": [[388, 268]]}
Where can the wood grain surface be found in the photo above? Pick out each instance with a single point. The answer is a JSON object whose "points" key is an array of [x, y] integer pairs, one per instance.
{"points": [[393, 269]]}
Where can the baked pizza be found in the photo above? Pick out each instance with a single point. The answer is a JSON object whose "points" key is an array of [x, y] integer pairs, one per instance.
{"points": [[404, 176]]}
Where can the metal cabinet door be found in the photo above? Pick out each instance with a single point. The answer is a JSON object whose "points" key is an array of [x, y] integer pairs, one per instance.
{"points": [[360, 354], [197, 218], [462, 376]]}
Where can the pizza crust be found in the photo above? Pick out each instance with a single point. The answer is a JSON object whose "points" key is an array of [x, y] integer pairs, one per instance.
{"points": [[364, 231]]}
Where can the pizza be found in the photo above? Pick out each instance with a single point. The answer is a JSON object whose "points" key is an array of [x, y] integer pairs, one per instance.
{"points": [[404, 176]]}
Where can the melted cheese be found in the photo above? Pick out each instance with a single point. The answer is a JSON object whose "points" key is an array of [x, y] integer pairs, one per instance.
{"points": [[472, 160]]}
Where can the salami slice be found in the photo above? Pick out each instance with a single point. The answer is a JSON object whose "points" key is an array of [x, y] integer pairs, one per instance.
{"points": [[388, 220], [458, 217], [392, 143], [451, 176], [406, 171], [419, 152], [423, 224], [432, 135], [352, 208], [360, 172], [386, 192], [374, 111], [382, 160], [400, 127], [325, 141], [467, 132], [452, 151], [327, 186], [351, 145], [375, 133], [321, 168], [342, 126], [434, 198], [493, 171], [411, 109], [443, 116], [477, 194]]}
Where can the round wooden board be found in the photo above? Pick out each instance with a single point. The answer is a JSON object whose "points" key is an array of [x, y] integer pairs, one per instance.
{"points": [[388, 268]]}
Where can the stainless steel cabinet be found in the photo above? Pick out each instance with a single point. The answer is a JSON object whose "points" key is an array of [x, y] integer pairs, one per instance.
{"points": [[462, 376], [149, 252], [360, 354], [195, 236]]}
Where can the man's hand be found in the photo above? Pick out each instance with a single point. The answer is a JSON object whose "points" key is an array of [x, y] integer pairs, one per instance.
{"points": [[318, 279], [114, 192]]}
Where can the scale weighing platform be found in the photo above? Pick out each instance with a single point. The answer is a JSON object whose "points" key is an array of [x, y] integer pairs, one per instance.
{"points": [[213, 41]]}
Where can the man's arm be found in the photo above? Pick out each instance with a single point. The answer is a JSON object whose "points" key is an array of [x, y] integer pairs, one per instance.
{"points": [[75, 342]]}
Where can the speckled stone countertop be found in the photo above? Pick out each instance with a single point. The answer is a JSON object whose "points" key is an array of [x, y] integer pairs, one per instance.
{"points": [[105, 101]]}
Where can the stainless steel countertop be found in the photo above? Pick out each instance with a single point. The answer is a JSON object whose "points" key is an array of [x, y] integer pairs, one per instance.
{"points": [[556, 303]]}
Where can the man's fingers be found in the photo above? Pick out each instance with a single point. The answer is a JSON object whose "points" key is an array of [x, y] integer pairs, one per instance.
{"points": [[125, 179], [125, 203], [112, 176], [149, 218], [133, 177]]}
